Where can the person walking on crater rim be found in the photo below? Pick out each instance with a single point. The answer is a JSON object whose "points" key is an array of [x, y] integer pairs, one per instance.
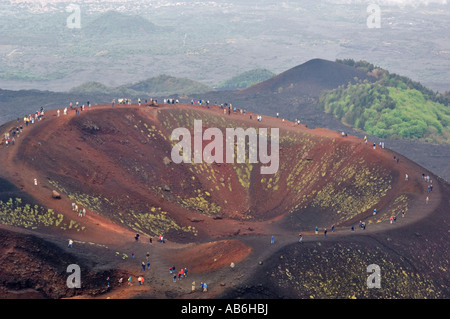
{"points": [[317, 230]]}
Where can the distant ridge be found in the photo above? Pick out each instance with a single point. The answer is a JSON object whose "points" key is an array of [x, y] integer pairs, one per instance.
{"points": [[165, 84], [311, 78], [157, 86], [113, 24], [246, 79], [294, 93]]}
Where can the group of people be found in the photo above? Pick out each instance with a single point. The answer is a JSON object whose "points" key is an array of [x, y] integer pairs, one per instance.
{"points": [[10, 136], [374, 145], [171, 101], [181, 274], [429, 186], [81, 211], [316, 231], [150, 101], [199, 102], [140, 280]]}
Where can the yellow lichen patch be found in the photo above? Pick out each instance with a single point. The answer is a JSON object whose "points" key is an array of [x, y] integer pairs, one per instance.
{"points": [[17, 214], [156, 223]]}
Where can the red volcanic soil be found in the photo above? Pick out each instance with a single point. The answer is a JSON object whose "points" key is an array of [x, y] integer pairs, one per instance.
{"points": [[115, 162]]}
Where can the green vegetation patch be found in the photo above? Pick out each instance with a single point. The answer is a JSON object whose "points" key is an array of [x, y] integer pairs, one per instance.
{"points": [[93, 203], [156, 222], [15, 213], [392, 107]]}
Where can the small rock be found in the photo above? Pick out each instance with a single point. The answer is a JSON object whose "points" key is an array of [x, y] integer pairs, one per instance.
{"points": [[56, 195], [167, 160]]}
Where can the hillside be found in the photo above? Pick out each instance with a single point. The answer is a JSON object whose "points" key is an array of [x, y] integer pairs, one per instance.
{"points": [[164, 85], [392, 107], [115, 163], [158, 86], [113, 24], [92, 88], [295, 92], [246, 79], [309, 78]]}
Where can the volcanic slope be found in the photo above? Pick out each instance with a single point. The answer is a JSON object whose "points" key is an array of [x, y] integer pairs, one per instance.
{"points": [[294, 93], [116, 163]]}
